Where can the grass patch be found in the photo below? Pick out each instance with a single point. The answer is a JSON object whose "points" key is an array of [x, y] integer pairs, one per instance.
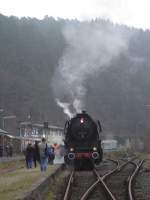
{"points": [[56, 187], [15, 183], [11, 165], [115, 154], [50, 196]]}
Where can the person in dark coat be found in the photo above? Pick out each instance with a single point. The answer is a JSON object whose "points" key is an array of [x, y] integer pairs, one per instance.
{"points": [[29, 156], [36, 155]]}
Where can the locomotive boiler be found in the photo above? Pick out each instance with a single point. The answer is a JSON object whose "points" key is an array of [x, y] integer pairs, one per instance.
{"points": [[82, 142]]}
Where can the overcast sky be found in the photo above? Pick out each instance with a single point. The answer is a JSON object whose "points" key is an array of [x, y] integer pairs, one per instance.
{"points": [[131, 12]]}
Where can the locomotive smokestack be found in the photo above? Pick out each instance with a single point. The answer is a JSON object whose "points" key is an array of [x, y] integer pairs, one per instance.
{"points": [[83, 112]]}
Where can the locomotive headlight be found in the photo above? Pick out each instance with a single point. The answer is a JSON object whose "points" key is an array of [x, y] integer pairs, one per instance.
{"points": [[71, 149], [94, 149], [82, 120]]}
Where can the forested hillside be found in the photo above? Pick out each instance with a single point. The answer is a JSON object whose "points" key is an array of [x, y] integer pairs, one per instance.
{"points": [[30, 50]]}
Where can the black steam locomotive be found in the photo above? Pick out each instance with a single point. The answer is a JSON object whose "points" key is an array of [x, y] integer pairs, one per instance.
{"points": [[82, 142]]}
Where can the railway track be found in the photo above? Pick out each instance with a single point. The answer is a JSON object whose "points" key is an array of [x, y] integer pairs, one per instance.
{"points": [[118, 182], [82, 183], [107, 183]]}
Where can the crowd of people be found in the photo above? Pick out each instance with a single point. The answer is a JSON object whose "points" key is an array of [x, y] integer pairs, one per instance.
{"points": [[41, 153]]}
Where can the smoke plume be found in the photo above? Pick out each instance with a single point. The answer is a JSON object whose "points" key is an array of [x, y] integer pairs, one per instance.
{"points": [[90, 49]]}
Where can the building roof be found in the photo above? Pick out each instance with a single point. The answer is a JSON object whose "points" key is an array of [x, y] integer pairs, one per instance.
{"points": [[49, 126], [40, 125], [109, 141], [28, 138], [3, 132]]}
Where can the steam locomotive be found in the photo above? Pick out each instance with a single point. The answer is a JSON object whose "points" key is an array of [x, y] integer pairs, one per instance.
{"points": [[82, 142]]}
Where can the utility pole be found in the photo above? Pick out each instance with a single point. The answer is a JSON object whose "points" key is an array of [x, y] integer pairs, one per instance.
{"points": [[1, 112]]}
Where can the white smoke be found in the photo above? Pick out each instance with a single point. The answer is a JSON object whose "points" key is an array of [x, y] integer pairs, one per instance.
{"points": [[90, 50], [65, 107]]}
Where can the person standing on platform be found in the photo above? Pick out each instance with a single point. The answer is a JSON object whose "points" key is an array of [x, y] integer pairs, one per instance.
{"points": [[51, 154], [36, 156], [43, 154], [29, 156]]}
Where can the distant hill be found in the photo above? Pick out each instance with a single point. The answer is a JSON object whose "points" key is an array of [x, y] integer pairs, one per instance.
{"points": [[30, 50]]}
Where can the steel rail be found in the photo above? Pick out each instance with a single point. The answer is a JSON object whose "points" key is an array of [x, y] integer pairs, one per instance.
{"points": [[109, 193], [101, 181], [111, 171], [69, 186], [118, 168], [132, 177]]}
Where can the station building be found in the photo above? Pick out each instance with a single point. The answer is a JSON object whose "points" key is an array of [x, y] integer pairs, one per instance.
{"points": [[7, 140], [31, 132]]}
